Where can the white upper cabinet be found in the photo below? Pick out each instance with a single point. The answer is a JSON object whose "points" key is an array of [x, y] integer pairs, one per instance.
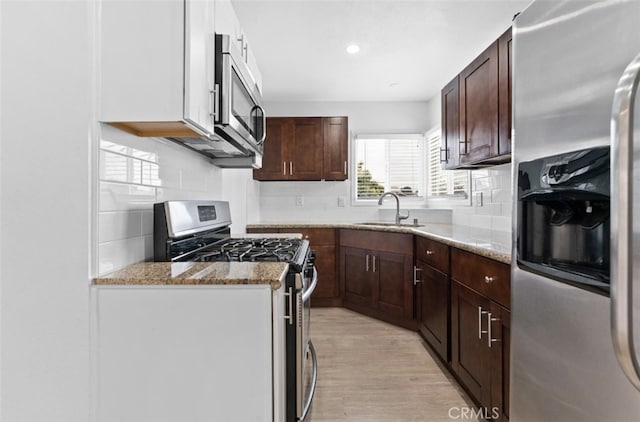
{"points": [[199, 64], [253, 67], [157, 66], [226, 22]]}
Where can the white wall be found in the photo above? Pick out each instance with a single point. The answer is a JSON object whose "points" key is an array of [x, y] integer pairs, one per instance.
{"points": [[45, 197], [278, 199]]}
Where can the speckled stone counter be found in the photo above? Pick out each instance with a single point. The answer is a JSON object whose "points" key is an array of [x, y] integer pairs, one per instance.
{"points": [[488, 243], [197, 273]]}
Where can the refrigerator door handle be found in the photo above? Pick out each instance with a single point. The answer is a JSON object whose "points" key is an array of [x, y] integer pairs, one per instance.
{"points": [[622, 329]]}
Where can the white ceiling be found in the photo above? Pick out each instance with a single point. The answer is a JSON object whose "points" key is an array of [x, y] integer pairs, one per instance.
{"points": [[409, 49]]}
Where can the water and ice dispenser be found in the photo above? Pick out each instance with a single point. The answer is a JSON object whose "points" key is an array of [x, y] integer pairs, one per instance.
{"points": [[563, 218]]}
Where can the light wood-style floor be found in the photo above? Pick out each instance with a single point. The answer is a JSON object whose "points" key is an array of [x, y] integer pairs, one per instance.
{"points": [[371, 371]]}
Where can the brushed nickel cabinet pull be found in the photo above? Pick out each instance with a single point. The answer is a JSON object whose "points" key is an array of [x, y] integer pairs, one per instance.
{"points": [[463, 144], [480, 330], [489, 279], [415, 275], [490, 321], [446, 155]]}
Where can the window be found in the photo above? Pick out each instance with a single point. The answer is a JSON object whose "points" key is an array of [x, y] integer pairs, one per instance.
{"points": [[451, 184], [408, 165], [393, 163]]}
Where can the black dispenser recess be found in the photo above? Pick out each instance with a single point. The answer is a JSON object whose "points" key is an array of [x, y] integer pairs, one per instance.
{"points": [[564, 219]]}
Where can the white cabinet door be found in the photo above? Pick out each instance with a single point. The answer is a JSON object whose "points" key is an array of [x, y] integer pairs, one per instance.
{"points": [[199, 64], [182, 353], [253, 67], [157, 61], [226, 22], [141, 59]]}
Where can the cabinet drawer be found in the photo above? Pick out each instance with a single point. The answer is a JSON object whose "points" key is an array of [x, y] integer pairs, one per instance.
{"points": [[263, 230], [483, 275], [433, 253], [377, 241], [316, 236]]}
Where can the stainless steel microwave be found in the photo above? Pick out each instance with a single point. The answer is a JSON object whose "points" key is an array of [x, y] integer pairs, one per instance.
{"points": [[237, 109]]}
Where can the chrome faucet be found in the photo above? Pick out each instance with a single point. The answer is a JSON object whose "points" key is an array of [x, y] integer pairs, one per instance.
{"points": [[398, 216]]}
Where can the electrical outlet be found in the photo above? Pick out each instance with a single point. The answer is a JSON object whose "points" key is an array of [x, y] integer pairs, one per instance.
{"points": [[299, 201], [341, 201]]}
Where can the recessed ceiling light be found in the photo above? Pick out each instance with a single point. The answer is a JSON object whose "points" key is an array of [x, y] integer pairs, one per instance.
{"points": [[353, 49], [393, 84]]}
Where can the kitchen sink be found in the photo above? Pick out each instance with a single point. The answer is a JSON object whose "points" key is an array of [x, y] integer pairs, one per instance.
{"points": [[387, 224]]}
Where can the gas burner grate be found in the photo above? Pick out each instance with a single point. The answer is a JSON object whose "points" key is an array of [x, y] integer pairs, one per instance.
{"points": [[252, 250]]}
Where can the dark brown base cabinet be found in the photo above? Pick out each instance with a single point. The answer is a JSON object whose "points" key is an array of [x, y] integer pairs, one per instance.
{"points": [[376, 275], [432, 294], [458, 301], [480, 331]]}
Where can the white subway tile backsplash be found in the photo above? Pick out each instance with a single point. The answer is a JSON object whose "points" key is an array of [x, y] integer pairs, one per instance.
{"points": [[109, 163], [121, 197], [170, 194], [489, 209], [119, 225], [148, 247], [147, 223], [113, 147], [501, 223], [481, 183], [150, 174], [501, 195], [494, 184], [144, 155], [120, 253]]}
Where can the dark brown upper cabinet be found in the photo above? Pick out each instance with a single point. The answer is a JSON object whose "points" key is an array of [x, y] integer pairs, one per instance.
{"points": [[450, 124], [335, 131], [305, 148], [477, 133], [504, 92]]}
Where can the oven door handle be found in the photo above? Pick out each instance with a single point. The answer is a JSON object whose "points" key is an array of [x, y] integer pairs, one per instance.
{"points": [[309, 290], [314, 381]]}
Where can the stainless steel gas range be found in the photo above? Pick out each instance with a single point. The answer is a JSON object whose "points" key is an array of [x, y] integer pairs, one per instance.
{"points": [[199, 231]]}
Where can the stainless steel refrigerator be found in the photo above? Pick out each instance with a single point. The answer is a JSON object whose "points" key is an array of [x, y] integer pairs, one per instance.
{"points": [[576, 266]]}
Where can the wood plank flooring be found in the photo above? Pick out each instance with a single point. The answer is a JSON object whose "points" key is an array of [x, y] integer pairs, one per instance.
{"points": [[371, 371]]}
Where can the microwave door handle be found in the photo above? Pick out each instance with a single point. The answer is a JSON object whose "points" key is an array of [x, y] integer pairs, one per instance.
{"points": [[622, 292], [264, 124]]}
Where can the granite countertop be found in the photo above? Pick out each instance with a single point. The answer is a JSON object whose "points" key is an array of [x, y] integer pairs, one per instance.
{"points": [[488, 243], [197, 273]]}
